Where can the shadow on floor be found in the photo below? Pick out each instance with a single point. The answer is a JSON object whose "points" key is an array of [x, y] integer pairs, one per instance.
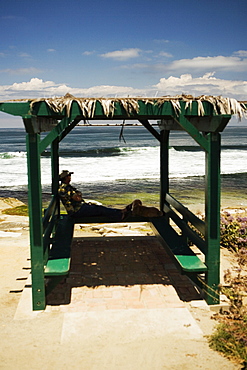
{"points": [[121, 262]]}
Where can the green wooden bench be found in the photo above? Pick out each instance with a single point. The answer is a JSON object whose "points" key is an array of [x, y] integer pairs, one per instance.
{"points": [[176, 245], [58, 262], [57, 251], [57, 239], [191, 231], [185, 259]]}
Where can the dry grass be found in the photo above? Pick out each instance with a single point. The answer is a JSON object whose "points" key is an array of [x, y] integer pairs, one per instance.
{"points": [[131, 105]]}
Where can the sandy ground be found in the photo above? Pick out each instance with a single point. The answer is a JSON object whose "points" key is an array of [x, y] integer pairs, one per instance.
{"points": [[169, 336]]}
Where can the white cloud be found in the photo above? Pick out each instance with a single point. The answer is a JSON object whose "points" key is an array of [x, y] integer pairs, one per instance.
{"points": [[164, 54], [241, 53], [34, 84], [51, 50], [137, 66], [109, 91], [147, 68], [122, 54], [199, 65], [232, 63], [207, 84], [24, 55], [38, 88], [88, 52]]}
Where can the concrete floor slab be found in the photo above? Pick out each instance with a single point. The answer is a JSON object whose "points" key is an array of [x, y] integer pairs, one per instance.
{"points": [[129, 325]]}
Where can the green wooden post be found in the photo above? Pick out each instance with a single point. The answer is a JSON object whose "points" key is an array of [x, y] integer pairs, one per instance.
{"points": [[35, 221], [55, 165], [212, 221], [164, 166], [55, 170]]}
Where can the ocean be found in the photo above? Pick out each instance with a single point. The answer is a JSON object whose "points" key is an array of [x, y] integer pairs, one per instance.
{"points": [[103, 162]]}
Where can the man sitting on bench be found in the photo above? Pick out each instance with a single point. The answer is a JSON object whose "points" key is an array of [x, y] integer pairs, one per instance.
{"points": [[76, 207]]}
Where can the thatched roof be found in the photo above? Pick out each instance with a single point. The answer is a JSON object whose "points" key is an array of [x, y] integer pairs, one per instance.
{"points": [[228, 106], [87, 105]]}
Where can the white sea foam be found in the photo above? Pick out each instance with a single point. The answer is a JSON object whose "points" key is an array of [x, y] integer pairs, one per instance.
{"points": [[96, 155], [139, 163]]}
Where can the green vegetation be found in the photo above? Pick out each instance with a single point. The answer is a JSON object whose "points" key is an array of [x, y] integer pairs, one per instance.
{"points": [[230, 336], [121, 200], [233, 232], [230, 339], [17, 211]]}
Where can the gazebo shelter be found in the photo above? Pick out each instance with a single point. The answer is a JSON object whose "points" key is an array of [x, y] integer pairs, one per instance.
{"points": [[203, 118]]}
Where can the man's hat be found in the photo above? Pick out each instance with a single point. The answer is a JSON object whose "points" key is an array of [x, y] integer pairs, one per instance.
{"points": [[64, 173]]}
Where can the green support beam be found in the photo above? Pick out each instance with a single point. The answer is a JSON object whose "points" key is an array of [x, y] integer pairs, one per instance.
{"points": [[15, 108], [150, 128], [164, 166], [192, 130], [54, 134], [44, 118], [55, 165], [212, 218], [35, 221]]}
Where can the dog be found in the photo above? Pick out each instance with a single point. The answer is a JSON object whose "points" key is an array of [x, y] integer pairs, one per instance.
{"points": [[139, 210]]}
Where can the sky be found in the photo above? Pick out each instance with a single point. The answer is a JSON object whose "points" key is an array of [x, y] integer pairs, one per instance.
{"points": [[122, 48]]}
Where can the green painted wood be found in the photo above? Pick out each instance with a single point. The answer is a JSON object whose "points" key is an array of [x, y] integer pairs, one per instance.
{"points": [[63, 238], [49, 211], [184, 256], [69, 128], [212, 217], [187, 232], [30, 124], [192, 131], [36, 124], [49, 225], [54, 134], [55, 168], [190, 263], [57, 267], [150, 128], [210, 143], [16, 109], [146, 110], [164, 167], [186, 213], [59, 256], [35, 221]]}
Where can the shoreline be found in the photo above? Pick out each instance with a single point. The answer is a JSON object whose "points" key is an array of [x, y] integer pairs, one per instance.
{"points": [[189, 191], [192, 199]]}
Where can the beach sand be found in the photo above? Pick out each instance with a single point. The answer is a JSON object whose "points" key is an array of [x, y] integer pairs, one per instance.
{"points": [[145, 326]]}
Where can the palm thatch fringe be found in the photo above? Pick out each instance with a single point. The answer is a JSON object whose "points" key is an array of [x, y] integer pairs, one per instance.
{"points": [[220, 105]]}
